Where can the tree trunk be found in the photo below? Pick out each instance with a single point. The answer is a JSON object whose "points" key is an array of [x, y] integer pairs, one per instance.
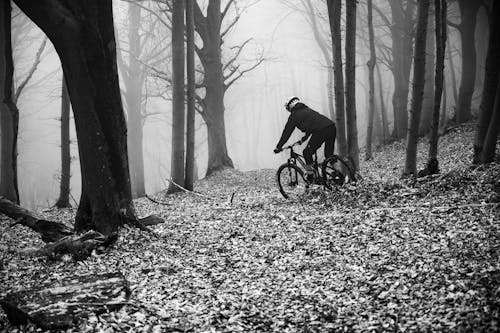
{"points": [[83, 35], [334, 15], [64, 186], [383, 111], [451, 64], [468, 10], [440, 26], [371, 81], [178, 113], [491, 82], [430, 69], [402, 46], [9, 114], [323, 46], [350, 77], [209, 29], [191, 93], [134, 82], [418, 88], [490, 141]]}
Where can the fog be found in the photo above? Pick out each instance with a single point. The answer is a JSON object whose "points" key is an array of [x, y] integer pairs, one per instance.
{"points": [[255, 116]]}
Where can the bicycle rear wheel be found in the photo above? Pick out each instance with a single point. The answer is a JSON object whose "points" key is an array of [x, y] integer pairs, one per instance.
{"points": [[337, 172], [291, 181]]}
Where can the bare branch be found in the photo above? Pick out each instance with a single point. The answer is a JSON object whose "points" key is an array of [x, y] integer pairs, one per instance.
{"points": [[32, 70]]}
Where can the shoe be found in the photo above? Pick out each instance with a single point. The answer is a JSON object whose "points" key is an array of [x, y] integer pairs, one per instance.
{"points": [[310, 176]]}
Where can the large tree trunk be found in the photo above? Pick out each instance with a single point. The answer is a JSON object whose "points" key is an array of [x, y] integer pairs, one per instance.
{"points": [[350, 78], [64, 186], [191, 94], [402, 46], [9, 114], [418, 88], [491, 82], [490, 141], [134, 82], [334, 15], [467, 27], [209, 29], [371, 81], [440, 37], [83, 36], [178, 114]]}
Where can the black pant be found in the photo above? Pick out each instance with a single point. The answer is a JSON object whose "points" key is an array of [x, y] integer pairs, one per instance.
{"points": [[326, 135]]}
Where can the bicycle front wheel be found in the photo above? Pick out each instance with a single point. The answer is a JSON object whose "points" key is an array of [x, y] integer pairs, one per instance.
{"points": [[337, 172], [291, 181]]}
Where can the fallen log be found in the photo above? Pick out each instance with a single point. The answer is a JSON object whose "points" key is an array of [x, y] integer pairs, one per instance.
{"points": [[62, 304], [50, 231]]}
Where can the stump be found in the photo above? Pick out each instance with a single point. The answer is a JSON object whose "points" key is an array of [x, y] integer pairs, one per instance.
{"points": [[61, 305]]}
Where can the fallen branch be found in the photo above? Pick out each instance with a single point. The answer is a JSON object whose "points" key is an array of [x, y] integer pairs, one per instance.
{"points": [[157, 202], [188, 191], [60, 304]]}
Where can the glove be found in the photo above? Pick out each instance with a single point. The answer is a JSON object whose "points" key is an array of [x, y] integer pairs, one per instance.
{"points": [[277, 150]]}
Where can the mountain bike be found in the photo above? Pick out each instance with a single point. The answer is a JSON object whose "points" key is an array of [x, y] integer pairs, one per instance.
{"points": [[292, 182]]}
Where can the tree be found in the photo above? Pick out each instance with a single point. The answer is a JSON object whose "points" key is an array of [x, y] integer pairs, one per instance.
{"points": [[430, 69], [466, 28], [371, 81], [350, 78], [83, 36], [191, 95], [441, 35], [334, 16], [9, 114], [487, 126], [178, 114], [401, 26], [418, 88], [64, 188], [218, 76], [133, 75]]}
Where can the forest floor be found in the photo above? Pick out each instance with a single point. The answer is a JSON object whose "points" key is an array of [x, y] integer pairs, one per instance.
{"points": [[383, 255]]}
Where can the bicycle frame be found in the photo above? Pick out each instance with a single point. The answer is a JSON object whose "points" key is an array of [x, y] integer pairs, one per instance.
{"points": [[294, 158]]}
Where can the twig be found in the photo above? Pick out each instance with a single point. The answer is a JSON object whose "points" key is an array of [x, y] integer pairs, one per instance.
{"points": [[188, 191], [157, 202]]}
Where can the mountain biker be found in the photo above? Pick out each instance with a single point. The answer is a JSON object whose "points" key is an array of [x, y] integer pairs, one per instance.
{"points": [[320, 128]]}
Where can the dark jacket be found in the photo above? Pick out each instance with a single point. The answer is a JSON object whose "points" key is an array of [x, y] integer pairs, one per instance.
{"points": [[306, 120]]}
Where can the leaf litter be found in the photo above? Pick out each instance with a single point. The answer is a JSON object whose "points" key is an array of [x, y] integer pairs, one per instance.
{"points": [[382, 255]]}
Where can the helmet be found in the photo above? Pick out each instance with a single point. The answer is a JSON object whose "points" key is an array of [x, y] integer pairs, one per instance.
{"points": [[291, 102]]}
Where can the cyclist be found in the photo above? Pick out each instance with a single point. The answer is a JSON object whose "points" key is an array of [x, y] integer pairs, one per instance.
{"points": [[320, 128]]}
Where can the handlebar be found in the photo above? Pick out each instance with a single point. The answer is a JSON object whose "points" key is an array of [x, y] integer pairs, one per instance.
{"points": [[298, 143]]}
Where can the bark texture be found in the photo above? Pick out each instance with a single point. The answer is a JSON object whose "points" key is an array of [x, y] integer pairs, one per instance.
{"points": [[191, 95], [209, 29], [83, 36], [350, 77], [64, 185], [9, 114], [371, 82], [440, 37], [418, 89], [178, 113], [491, 81], [60, 304], [334, 16]]}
